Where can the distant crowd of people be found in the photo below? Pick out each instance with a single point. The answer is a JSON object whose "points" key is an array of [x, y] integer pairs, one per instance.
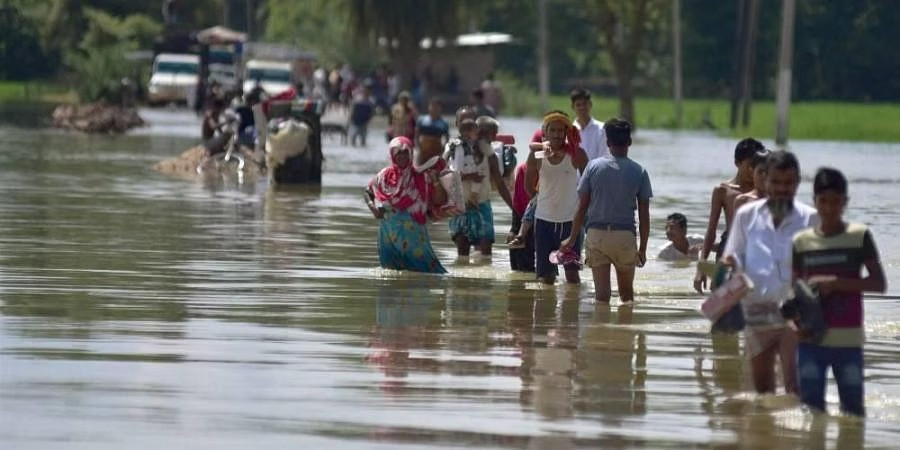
{"points": [[579, 190], [364, 97]]}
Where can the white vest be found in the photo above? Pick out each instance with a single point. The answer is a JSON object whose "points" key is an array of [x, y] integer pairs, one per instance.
{"points": [[557, 198]]}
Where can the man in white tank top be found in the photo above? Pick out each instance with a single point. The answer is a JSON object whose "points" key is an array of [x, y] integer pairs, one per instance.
{"points": [[557, 168]]}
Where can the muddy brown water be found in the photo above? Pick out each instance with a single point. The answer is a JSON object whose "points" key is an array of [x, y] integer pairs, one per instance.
{"points": [[139, 311]]}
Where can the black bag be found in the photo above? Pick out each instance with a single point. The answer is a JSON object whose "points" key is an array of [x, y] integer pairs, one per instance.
{"points": [[508, 163], [805, 309], [733, 320]]}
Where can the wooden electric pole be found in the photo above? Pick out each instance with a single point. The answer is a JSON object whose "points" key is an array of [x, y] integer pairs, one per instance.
{"points": [[783, 86], [749, 55], [737, 80], [543, 65], [676, 54]]}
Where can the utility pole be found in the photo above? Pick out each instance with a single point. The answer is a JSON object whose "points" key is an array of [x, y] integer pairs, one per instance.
{"points": [[248, 4], [749, 54], [676, 44], [737, 80], [783, 86], [543, 66]]}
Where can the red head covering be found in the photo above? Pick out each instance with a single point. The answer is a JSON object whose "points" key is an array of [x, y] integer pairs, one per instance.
{"points": [[402, 188]]}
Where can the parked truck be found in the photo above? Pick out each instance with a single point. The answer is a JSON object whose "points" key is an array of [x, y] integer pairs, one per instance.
{"points": [[272, 76], [174, 78]]}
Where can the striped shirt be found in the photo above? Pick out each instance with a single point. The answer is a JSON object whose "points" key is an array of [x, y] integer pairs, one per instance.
{"points": [[842, 255]]}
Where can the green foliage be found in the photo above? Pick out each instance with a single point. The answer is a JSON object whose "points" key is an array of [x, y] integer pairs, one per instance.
{"points": [[520, 98], [99, 71], [104, 30], [844, 49], [99, 63], [21, 54], [876, 122], [320, 26], [403, 24]]}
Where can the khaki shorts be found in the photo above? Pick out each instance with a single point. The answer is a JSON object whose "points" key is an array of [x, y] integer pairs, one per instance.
{"points": [[616, 247]]}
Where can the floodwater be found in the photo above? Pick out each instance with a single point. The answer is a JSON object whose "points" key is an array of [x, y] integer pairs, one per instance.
{"points": [[140, 311]]}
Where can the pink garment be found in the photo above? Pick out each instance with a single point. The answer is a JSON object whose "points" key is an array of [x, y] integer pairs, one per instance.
{"points": [[402, 188]]}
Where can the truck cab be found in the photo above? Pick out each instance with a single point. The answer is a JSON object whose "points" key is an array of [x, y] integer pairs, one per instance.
{"points": [[174, 78], [272, 76]]}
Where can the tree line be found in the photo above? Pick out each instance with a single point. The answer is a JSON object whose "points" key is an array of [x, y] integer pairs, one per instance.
{"points": [[843, 48]]}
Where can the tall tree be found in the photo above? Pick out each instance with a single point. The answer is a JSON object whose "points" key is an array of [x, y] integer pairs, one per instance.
{"points": [[400, 25], [623, 26], [318, 25], [21, 54]]}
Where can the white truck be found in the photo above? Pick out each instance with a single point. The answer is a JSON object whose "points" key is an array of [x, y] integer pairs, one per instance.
{"points": [[272, 76], [174, 78]]}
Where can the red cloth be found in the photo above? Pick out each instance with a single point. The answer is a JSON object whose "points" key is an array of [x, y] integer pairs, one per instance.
{"points": [[402, 188], [520, 196], [287, 94]]}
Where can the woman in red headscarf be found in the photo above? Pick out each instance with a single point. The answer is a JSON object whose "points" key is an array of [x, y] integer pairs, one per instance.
{"points": [[401, 197]]}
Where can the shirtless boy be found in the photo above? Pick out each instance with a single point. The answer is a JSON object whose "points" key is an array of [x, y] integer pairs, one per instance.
{"points": [[759, 180], [722, 200]]}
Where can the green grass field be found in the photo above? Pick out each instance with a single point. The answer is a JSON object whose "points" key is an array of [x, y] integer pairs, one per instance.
{"points": [[841, 121], [34, 91], [877, 122]]}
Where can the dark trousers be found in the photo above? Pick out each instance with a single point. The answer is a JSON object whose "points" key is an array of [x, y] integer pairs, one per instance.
{"points": [[846, 366], [522, 259]]}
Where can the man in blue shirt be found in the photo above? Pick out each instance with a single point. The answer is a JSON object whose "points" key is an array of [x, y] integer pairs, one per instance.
{"points": [[361, 112], [611, 188], [433, 124]]}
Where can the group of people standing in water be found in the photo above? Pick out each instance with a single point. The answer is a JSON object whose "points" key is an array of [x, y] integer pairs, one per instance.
{"points": [[578, 188]]}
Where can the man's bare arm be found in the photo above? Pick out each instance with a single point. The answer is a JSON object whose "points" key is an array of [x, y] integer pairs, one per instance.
{"points": [[716, 204], [643, 229], [584, 200], [497, 179], [580, 159], [532, 166]]}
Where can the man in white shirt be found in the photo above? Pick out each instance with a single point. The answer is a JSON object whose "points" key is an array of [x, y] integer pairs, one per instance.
{"points": [[681, 246], [760, 242], [593, 138]]}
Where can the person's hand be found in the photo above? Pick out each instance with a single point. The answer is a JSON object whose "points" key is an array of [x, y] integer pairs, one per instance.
{"points": [[826, 284], [641, 257], [699, 282], [378, 213], [567, 243], [728, 261]]}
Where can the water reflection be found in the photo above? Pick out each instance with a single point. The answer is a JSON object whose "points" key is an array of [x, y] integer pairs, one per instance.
{"points": [[293, 223], [726, 375], [613, 365], [401, 319], [185, 312]]}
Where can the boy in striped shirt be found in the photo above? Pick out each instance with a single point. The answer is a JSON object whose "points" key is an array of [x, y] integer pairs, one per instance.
{"points": [[830, 256]]}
